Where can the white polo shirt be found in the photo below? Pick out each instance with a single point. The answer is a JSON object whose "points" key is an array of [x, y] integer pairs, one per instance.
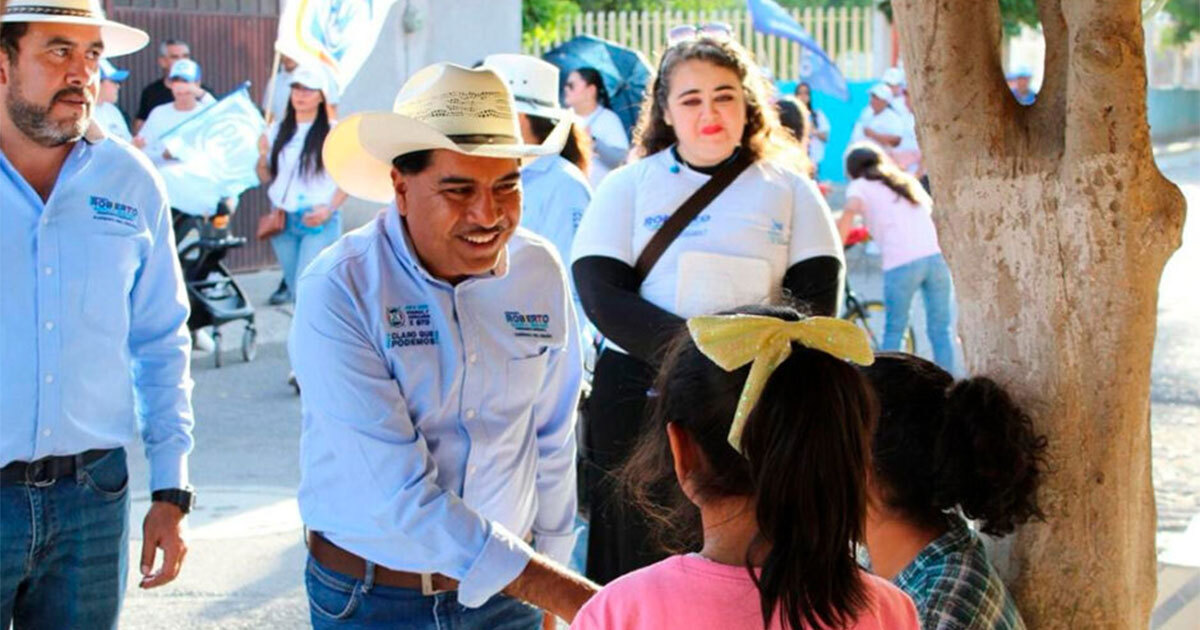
{"points": [[735, 252]]}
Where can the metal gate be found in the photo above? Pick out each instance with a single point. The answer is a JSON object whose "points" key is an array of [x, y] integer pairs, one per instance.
{"points": [[233, 41]]}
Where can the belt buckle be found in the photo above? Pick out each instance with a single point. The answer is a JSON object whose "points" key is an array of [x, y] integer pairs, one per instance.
{"points": [[34, 471], [427, 585]]}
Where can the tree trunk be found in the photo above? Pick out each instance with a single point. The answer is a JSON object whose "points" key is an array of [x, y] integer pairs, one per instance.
{"points": [[1057, 224]]}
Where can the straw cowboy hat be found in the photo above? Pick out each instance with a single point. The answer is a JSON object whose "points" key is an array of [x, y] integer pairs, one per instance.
{"points": [[443, 106], [118, 38], [533, 83]]}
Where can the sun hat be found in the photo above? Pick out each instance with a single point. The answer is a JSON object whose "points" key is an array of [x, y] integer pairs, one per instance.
{"points": [[442, 106], [309, 77], [881, 91], [118, 38], [533, 83], [185, 69], [893, 76], [109, 72]]}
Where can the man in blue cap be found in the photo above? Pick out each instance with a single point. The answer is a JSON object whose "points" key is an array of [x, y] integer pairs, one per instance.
{"points": [[108, 115], [1020, 85]]}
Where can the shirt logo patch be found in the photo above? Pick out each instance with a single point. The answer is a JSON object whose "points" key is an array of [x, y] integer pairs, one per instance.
{"points": [[395, 316], [412, 317], [776, 233], [695, 228], [105, 209], [529, 324]]}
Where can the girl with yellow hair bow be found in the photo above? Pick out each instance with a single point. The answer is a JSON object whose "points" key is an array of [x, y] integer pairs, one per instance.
{"points": [[760, 431]]}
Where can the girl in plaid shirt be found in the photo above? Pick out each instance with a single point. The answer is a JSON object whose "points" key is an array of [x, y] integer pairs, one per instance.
{"points": [[942, 451]]}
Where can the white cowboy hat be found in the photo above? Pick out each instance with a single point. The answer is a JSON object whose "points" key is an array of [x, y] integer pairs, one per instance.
{"points": [[118, 38], [443, 106], [533, 83]]}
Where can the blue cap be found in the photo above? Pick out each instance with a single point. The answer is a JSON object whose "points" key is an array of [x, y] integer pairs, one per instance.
{"points": [[110, 72], [185, 69], [1022, 72]]}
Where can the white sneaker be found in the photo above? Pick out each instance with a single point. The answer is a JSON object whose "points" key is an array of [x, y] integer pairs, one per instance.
{"points": [[202, 341]]}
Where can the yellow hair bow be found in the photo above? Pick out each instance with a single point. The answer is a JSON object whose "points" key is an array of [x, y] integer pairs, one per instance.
{"points": [[732, 341]]}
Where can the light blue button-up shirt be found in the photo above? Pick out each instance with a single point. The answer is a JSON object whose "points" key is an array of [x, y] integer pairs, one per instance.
{"points": [[555, 194], [94, 343], [438, 420]]}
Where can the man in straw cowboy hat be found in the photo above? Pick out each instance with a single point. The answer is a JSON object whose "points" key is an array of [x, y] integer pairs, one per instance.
{"points": [[439, 363], [94, 342]]}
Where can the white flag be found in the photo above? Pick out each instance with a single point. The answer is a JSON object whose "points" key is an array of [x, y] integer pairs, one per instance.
{"points": [[335, 34]]}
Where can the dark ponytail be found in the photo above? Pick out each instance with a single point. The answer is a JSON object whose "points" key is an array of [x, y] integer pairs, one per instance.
{"points": [[942, 445], [577, 150], [869, 162], [311, 161], [806, 446]]}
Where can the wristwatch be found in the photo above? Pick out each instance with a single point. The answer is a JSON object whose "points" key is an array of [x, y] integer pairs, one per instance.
{"points": [[184, 499]]}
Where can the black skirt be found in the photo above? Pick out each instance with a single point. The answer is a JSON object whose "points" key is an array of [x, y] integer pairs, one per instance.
{"points": [[619, 539]]}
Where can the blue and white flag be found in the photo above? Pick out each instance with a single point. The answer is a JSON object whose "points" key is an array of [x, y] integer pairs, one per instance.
{"points": [[337, 35], [816, 68], [216, 153]]}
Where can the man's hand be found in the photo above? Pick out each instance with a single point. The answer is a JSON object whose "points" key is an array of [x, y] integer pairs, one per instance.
{"points": [[317, 216], [264, 147], [162, 530], [552, 588]]}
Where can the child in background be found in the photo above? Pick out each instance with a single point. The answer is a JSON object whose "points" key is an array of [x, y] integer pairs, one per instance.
{"points": [[943, 450], [768, 467]]}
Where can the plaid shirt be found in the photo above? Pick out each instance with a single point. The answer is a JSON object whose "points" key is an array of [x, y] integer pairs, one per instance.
{"points": [[956, 588]]}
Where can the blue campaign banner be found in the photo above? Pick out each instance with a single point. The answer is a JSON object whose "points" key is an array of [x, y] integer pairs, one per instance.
{"points": [[816, 67], [217, 150], [842, 116]]}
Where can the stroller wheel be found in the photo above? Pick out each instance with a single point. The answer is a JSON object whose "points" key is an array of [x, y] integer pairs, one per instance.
{"points": [[249, 343], [216, 335]]}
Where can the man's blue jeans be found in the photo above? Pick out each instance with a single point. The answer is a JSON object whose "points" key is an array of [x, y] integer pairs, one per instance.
{"points": [[297, 245], [932, 277], [338, 601], [63, 548]]}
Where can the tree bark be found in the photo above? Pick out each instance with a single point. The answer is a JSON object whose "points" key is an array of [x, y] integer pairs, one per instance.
{"points": [[1056, 223]]}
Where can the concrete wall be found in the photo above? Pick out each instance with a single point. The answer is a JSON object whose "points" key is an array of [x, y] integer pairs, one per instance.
{"points": [[419, 33], [1174, 114]]}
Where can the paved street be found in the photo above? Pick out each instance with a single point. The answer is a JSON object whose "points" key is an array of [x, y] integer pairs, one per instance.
{"points": [[245, 566]]}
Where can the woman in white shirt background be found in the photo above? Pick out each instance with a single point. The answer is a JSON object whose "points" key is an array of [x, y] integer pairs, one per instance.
{"points": [[584, 92], [767, 235], [290, 161], [899, 216]]}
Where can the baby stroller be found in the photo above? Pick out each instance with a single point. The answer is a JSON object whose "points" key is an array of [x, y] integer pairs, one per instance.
{"points": [[215, 297]]}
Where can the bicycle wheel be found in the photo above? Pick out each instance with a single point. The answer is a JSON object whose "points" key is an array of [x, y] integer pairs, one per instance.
{"points": [[857, 316], [875, 310]]}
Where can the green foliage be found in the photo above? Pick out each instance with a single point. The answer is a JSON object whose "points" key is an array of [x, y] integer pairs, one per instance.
{"points": [[1186, 15], [540, 18]]}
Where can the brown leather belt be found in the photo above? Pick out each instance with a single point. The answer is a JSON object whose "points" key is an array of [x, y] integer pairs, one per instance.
{"points": [[335, 558]]}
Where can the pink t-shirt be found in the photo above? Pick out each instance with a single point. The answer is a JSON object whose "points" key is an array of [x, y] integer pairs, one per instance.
{"points": [[903, 230], [693, 593]]}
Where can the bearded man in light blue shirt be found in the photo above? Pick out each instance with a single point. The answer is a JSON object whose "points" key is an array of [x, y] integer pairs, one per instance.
{"points": [[439, 364], [94, 341]]}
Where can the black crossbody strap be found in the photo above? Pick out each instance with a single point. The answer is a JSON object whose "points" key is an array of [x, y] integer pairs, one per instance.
{"points": [[689, 210]]}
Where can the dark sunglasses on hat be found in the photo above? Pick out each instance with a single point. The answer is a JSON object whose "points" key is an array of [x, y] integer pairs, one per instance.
{"points": [[684, 32]]}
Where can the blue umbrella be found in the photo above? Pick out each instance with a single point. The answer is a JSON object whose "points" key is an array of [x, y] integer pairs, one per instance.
{"points": [[625, 71]]}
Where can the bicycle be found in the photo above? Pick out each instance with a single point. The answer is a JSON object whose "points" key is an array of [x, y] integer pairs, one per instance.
{"points": [[859, 311]]}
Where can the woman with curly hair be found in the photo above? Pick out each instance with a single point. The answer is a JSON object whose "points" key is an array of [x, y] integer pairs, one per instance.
{"points": [[945, 451], [767, 234]]}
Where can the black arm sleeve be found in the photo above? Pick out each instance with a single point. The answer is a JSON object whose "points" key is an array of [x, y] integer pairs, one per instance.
{"points": [[608, 289], [816, 285]]}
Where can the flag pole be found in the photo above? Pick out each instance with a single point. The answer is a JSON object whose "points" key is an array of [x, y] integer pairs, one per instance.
{"points": [[269, 114]]}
